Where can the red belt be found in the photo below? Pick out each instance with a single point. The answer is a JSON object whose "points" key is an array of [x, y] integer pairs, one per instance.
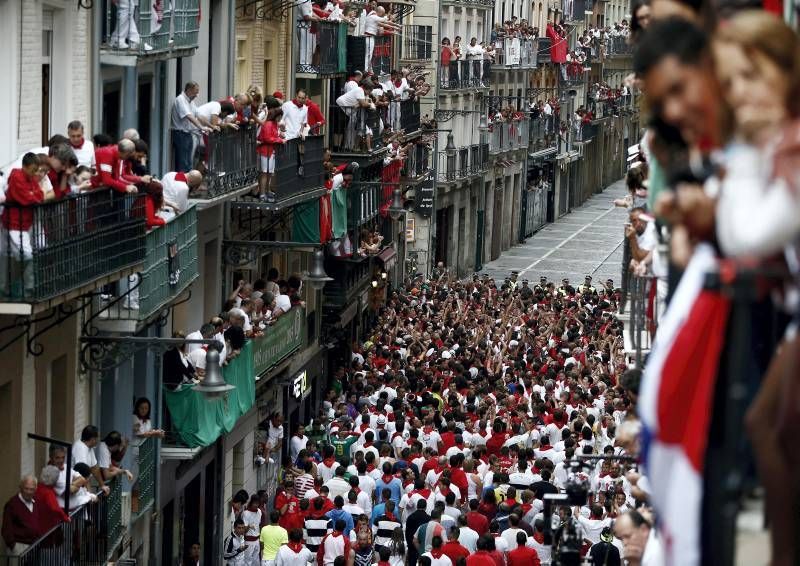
{"points": [[251, 538]]}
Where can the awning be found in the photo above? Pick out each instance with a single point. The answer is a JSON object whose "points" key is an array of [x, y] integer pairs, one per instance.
{"points": [[388, 256]]}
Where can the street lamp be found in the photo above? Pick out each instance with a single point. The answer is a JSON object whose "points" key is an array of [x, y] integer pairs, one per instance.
{"points": [[396, 209], [317, 277], [213, 384], [450, 148]]}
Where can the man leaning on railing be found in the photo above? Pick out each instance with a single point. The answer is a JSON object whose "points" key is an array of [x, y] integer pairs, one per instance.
{"points": [[22, 517]]}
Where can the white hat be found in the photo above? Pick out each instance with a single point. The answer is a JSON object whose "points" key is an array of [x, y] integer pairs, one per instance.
{"points": [[446, 355], [381, 421], [513, 344]]}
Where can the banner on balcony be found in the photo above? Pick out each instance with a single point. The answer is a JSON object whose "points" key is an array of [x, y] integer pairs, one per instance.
{"points": [[306, 225], [512, 51], [282, 338], [199, 421]]}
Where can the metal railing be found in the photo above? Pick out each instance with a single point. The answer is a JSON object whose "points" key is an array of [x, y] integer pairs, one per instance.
{"points": [[159, 26], [298, 166], [144, 490], [382, 55], [50, 248], [508, 136], [417, 43], [543, 50], [267, 479], [465, 75], [575, 10], [232, 161], [321, 47], [466, 162], [514, 52], [543, 133], [643, 302], [535, 208], [473, 3], [409, 115], [92, 535], [170, 264], [617, 47], [354, 130], [418, 161]]}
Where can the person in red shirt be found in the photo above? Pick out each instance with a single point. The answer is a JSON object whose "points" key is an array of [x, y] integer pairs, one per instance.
{"points": [[445, 59], [52, 514], [452, 548], [23, 191], [476, 520], [268, 137], [110, 162], [315, 117], [523, 555], [481, 556]]}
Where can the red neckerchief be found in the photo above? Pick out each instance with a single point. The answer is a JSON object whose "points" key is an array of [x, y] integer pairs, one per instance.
{"points": [[437, 553], [387, 478], [397, 83], [425, 492], [382, 563], [370, 467], [538, 537], [356, 489], [367, 444], [329, 462], [603, 474], [296, 547], [544, 447], [180, 177], [294, 101], [389, 515], [78, 146]]}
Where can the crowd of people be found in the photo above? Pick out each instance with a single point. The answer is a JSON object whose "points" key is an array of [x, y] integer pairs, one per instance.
{"points": [[438, 443]]}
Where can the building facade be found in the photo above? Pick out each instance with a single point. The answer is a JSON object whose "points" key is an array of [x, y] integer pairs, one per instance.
{"points": [[458, 175]]}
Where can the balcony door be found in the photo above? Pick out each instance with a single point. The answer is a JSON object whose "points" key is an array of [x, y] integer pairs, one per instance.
{"points": [[46, 63]]}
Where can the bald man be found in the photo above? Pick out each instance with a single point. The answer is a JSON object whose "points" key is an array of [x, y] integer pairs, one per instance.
{"points": [[178, 185]]}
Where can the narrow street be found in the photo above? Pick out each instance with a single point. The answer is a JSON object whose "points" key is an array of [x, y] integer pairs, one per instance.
{"points": [[587, 241]]}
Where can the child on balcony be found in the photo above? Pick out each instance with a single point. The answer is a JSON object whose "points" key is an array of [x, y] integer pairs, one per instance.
{"points": [[268, 136]]}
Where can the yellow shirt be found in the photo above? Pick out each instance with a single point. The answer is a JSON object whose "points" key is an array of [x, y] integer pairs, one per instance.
{"points": [[272, 537]]}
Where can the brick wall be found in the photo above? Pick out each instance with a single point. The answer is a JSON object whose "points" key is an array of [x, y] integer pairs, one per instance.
{"points": [[30, 120]]}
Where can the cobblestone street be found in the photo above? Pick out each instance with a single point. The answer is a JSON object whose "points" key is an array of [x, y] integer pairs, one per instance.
{"points": [[587, 241]]}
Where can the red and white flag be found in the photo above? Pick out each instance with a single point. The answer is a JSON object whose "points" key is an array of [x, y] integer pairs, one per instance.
{"points": [[675, 406]]}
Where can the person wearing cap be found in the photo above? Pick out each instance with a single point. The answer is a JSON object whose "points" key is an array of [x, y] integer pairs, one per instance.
{"points": [[564, 289], [643, 238], [605, 553], [587, 288], [512, 283], [610, 285]]}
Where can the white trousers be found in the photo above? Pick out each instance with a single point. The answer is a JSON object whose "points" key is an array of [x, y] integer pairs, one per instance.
{"points": [[126, 29], [370, 47]]}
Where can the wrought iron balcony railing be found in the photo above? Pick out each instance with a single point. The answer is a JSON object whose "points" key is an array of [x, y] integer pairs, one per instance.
{"points": [[508, 136], [298, 167], [418, 162], [543, 134], [155, 28], [354, 130], [617, 47], [471, 3], [321, 47], [466, 162], [51, 248], [232, 161], [90, 537], [515, 53], [144, 488], [465, 75]]}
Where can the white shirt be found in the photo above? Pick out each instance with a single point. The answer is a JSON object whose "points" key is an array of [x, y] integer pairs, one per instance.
{"points": [[193, 336], [252, 520], [26, 503], [209, 109], [297, 444], [468, 538], [288, 557], [593, 527], [475, 52], [176, 192], [103, 456], [83, 454], [653, 553], [305, 9], [85, 153], [61, 486], [197, 358], [350, 98], [294, 119], [275, 436], [282, 302], [443, 560], [372, 24], [182, 108]]}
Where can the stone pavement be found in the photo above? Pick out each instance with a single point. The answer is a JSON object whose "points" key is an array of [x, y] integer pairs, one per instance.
{"points": [[587, 241]]}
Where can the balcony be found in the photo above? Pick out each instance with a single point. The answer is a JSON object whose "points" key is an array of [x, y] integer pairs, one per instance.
{"points": [[417, 43], [71, 243], [409, 115], [299, 175], [321, 48], [576, 11], [465, 75], [617, 47], [380, 61], [350, 277], [168, 32], [196, 421], [92, 536], [467, 162], [281, 340], [543, 50], [144, 490], [508, 136], [231, 165], [515, 53], [354, 132], [586, 133], [543, 136], [576, 76], [418, 163]]}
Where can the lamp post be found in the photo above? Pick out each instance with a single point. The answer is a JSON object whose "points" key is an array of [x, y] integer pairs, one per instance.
{"points": [[396, 209]]}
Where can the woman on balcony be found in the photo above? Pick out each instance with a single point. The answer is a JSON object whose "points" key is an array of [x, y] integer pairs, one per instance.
{"points": [[445, 58], [268, 137]]}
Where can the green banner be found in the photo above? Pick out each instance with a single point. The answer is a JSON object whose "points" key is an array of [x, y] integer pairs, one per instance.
{"points": [[281, 339], [199, 421]]}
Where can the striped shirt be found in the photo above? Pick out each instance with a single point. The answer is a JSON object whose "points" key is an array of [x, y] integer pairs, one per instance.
{"points": [[314, 530], [384, 527], [302, 484]]}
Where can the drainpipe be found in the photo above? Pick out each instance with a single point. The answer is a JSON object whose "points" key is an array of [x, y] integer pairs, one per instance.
{"points": [[97, 91]]}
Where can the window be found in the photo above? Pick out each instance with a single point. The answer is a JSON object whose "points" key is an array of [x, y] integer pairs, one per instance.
{"points": [[46, 63], [242, 63]]}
